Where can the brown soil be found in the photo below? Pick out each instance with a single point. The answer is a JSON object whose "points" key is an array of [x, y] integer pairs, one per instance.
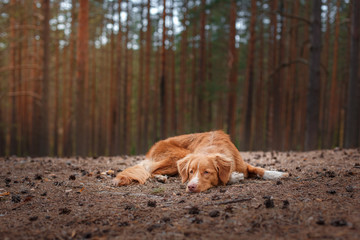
{"points": [[71, 198]]}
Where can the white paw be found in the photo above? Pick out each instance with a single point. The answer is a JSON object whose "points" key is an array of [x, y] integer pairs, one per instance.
{"points": [[236, 177], [161, 178], [269, 175], [115, 182]]}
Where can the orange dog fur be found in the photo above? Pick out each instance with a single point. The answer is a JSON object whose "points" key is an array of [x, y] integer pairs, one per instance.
{"points": [[204, 159]]}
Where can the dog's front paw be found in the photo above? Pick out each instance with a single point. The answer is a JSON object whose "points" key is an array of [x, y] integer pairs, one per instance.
{"points": [[115, 182], [160, 178], [121, 180], [236, 177]]}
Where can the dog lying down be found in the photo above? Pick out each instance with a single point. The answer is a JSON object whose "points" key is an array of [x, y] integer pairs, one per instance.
{"points": [[204, 160]]}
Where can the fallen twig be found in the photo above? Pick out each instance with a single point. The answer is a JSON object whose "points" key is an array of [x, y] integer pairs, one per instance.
{"points": [[230, 201]]}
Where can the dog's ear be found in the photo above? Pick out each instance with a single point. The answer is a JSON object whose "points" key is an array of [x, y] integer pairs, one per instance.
{"points": [[183, 168], [223, 167]]}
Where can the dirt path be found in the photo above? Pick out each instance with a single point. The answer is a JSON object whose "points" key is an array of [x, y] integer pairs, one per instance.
{"points": [[71, 198]]}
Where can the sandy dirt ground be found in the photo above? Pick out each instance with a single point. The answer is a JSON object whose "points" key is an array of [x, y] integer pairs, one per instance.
{"points": [[72, 198]]}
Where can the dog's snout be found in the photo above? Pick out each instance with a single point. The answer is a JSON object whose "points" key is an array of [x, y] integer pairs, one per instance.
{"points": [[192, 187]]}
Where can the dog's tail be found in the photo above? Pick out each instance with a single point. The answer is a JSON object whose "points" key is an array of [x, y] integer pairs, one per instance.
{"points": [[138, 173], [265, 174]]}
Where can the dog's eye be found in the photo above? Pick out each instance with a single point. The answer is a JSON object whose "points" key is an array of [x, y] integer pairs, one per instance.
{"points": [[191, 171], [206, 172]]}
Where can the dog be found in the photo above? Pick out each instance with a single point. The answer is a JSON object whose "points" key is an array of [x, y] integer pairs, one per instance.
{"points": [[205, 160]]}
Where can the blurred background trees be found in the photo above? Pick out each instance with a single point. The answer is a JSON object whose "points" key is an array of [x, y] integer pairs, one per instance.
{"points": [[110, 77]]}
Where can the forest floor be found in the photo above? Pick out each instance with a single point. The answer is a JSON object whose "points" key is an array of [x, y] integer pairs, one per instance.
{"points": [[72, 198]]}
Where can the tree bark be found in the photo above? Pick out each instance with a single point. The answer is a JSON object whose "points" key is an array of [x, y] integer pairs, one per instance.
{"points": [[232, 68], [201, 93], [163, 84], [250, 79], [81, 77], [147, 79], [353, 104], [44, 129], [313, 97], [334, 94]]}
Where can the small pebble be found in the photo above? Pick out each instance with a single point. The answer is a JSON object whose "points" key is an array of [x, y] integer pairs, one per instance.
{"points": [[214, 213], [15, 198], [320, 221], [331, 192], [285, 204], [123, 224], [151, 203], [38, 177], [64, 211], [153, 226], [338, 223], [72, 177], [194, 210], [34, 218], [196, 220], [330, 174], [349, 188], [269, 203]]}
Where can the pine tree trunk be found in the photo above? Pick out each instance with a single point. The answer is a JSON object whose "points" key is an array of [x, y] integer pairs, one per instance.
{"points": [[183, 71], [147, 79], [140, 87], [250, 79], [201, 93], [44, 128], [334, 94], [271, 65], [119, 81], [313, 97], [163, 83], [258, 141], [173, 118], [81, 77], [232, 68], [290, 79], [353, 105]]}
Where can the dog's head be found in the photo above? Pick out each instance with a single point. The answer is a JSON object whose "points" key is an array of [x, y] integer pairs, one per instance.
{"points": [[204, 171]]}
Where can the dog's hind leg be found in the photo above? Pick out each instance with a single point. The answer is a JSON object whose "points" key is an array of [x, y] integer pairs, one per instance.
{"points": [[265, 174]]}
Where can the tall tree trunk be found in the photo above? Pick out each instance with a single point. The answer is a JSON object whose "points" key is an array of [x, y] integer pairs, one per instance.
{"points": [[258, 141], [271, 65], [56, 89], [44, 129], [201, 93], [119, 81], [324, 107], [112, 120], [81, 77], [193, 123], [147, 79], [353, 104], [232, 68], [69, 123], [183, 70], [173, 118], [334, 94], [250, 79], [290, 85], [10, 136], [163, 84], [140, 87], [313, 97]]}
